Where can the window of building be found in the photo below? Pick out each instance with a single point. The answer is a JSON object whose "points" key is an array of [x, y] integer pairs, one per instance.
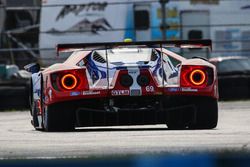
{"points": [[141, 20]]}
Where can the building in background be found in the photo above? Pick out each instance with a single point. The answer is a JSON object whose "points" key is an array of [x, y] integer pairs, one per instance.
{"points": [[19, 28], [227, 23]]}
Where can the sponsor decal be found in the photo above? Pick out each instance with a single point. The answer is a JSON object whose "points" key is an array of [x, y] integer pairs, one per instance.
{"points": [[119, 92], [159, 93], [189, 90], [75, 93], [173, 89], [91, 92]]}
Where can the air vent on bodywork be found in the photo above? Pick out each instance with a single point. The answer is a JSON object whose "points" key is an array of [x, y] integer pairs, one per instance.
{"points": [[98, 58], [126, 80], [143, 80], [153, 55]]}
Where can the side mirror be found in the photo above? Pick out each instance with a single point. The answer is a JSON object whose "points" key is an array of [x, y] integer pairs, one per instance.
{"points": [[32, 68]]}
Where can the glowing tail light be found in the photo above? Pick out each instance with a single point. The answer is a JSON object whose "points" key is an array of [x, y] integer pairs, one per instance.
{"points": [[196, 76], [69, 80]]}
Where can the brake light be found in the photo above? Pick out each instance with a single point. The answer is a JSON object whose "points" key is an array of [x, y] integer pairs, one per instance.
{"points": [[196, 76], [69, 81]]}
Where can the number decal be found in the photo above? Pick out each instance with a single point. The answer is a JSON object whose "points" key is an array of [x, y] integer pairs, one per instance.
{"points": [[150, 89]]}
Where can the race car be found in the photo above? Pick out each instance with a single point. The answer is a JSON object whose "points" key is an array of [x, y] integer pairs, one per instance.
{"points": [[233, 76], [125, 83]]}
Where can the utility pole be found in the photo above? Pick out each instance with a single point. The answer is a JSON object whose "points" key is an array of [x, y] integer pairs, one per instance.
{"points": [[163, 17]]}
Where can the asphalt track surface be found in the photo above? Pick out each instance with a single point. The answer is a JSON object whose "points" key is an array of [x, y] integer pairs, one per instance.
{"points": [[18, 139]]}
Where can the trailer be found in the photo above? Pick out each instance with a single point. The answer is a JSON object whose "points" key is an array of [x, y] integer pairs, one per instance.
{"points": [[18, 33], [225, 22]]}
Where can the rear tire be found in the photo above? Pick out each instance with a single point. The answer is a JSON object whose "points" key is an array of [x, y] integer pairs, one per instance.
{"points": [[31, 99], [58, 118], [34, 117], [207, 114], [202, 114], [33, 107], [175, 121]]}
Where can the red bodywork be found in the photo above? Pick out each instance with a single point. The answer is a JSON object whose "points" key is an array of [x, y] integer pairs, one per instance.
{"points": [[152, 85], [54, 94]]}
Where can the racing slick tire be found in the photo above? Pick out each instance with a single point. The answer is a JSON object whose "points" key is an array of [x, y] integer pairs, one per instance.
{"points": [[33, 107], [175, 121], [34, 117], [199, 113], [31, 99], [57, 117], [207, 113]]}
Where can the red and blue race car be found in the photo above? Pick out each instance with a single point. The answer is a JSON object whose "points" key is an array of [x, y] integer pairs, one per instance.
{"points": [[125, 83]]}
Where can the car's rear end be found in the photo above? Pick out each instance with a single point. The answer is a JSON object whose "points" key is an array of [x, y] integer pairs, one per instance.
{"points": [[134, 84]]}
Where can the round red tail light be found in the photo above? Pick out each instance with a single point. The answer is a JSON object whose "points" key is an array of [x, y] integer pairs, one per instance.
{"points": [[197, 77], [69, 81]]}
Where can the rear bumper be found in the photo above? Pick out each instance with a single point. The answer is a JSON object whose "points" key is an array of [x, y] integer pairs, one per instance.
{"points": [[133, 117], [132, 110], [56, 97]]}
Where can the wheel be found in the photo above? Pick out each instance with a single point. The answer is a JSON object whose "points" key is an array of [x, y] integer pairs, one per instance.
{"points": [[179, 112], [199, 113], [57, 117], [207, 113], [30, 98], [175, 120], [27, 94], [33, 107], [34, 116], [48, 117]]}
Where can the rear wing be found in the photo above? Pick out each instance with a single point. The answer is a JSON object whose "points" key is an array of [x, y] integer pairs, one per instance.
{"points": [[206, 43]]}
